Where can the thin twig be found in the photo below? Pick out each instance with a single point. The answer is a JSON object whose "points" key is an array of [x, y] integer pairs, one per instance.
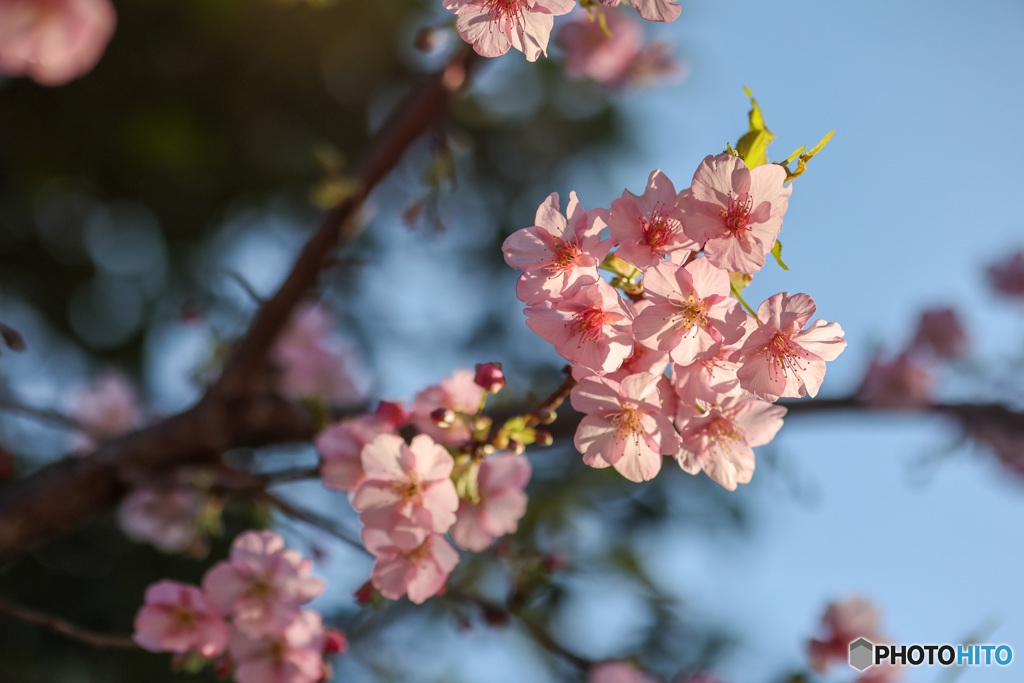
{"points": [[41, 414], [313, 519], [542, 413], [65, 627]]}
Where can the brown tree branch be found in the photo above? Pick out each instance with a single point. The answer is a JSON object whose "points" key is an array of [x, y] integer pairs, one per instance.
{"points": [[239, 410], [65, 627]]}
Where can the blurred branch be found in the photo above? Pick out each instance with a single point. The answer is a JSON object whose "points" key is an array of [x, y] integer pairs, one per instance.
{"points": [[65, 627], [318, 521], [41, 414], [240, 409]]}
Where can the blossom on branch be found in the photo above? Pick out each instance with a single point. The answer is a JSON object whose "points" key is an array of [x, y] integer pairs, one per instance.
{"points": [[419, 572], [180, 618], [493, 26], [559, 253], [262, 585], [736, 212], [650, 227], [625, 426], [501, 481], [780, 358], [53, 41], [293, 654]]}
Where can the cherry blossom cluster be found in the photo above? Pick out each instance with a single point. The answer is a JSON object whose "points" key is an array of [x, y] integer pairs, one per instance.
{"points": [[445, 481], [494, 26], [672, 306], [247, 617]]}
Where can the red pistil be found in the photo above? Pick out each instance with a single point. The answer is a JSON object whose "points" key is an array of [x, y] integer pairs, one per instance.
{"points": [[588, 324], [736, 215]]}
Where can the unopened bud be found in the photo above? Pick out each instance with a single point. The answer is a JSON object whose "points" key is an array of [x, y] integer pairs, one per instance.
{"points": [[544, 438], [555, 562], [443, 417], [12, 338], [427, 39], [490, 377], [393, 413], [364, 594], [546, 416], [335, 642]]}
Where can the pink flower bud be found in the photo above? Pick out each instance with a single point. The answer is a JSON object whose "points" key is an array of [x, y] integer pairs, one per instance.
{"points": [[335, 642], [443, 417], [393, 413], [364, 594], [490, 377]]}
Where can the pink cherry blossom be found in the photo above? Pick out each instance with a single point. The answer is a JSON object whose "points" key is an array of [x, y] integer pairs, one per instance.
{"points": [[53, 41], [780, 358], [314, 361], [940, 331], [709, 380], [618, 671], [262, 585], [617, 60], [721, 440], [419, 572], [408, 491], [294, 654], [340, 446], [625, 426], [164, 517], [180, 618], [649, 227], [1007, 276], [592, 327], [843, 623], [657, 10], [692, 313], [643, 359], [899, 383], [501, 482], [109, 407], [736, 212], [493, 26], [459, 393], [559, 253]]}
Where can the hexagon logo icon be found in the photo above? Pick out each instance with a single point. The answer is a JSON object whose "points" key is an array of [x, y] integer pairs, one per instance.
{"points": [[861, 654]]}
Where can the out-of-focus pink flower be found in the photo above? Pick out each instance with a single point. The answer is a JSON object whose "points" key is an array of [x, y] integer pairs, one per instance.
{"points": [[262, 585], [899, 383], [314, 361], [490, 377], [493, 26], [843, 623], [53, 41], [721, 441], [408, 492], [500, 483], [617, 60], [625, 426], [1007, 276], [164, 517], [340, 446], [419, 572], [692, 315], [780, 358], [618, 671], [736, 212], [592, 327], [294, 654], [649, 227], [558, 254], [940, 331], [180, 618], [108, 408], [459, 393]]}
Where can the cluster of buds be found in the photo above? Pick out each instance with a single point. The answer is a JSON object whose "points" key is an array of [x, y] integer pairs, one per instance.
{"points": [[448, 480], [673, 304], [247, 619]]}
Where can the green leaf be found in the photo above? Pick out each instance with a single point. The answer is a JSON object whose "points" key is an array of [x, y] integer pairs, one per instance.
{"points": [[753, 146], [805, 157], [777, 253]]}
